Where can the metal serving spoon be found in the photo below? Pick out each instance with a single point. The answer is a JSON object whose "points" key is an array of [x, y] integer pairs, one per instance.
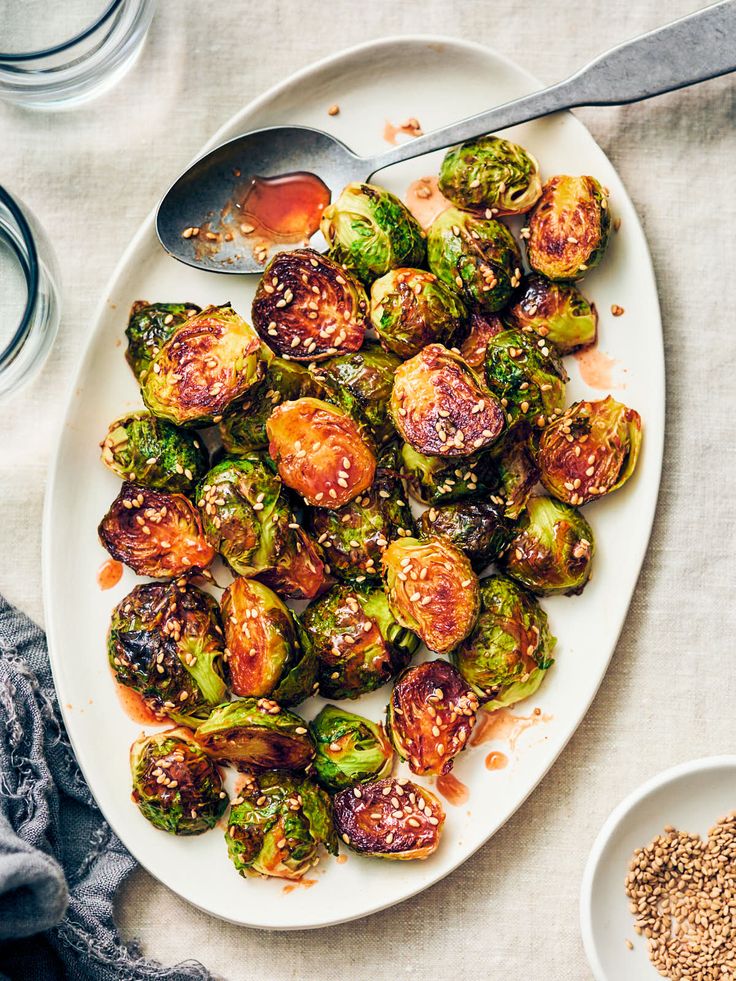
{"points": [[690, 50]]}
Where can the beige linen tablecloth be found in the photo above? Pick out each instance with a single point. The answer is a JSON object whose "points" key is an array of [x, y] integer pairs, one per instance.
{"points": [[93, 174]]}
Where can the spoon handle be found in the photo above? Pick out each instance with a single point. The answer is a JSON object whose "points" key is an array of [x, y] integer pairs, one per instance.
{"points": [[687, 51]]}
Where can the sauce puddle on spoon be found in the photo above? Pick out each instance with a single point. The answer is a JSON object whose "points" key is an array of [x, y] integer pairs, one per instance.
{"points": [[282, 209], [453, 790]]}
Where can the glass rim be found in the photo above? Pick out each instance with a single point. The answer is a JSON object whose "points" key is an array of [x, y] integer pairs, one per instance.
{"points": [[64, 45], [30, 270]]}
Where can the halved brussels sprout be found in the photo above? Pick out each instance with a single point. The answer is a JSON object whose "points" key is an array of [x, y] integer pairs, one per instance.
{"points": [[149, 327], [590, 451], [483, 326], [479, 528], [505, 657], [556, 312], [440, 408], [390, 818], [350, 749], [358, 642], [367, 377], [491, 173], [277, 824], [432, 590], [430, 716], [320, 452], [263, 650], [516, 470], [165, 642], [527, 376], [435, 479], [369, 231], [153, 452], [354, 537], [176, 786], [552, 549], [476, 256], [155, 534], [307, 307], [411, 308], [207, 365], [569, 228], [256, 734], [300, 572]]}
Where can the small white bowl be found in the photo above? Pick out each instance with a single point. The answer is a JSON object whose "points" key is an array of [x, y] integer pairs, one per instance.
{"points": [[692, 797]]}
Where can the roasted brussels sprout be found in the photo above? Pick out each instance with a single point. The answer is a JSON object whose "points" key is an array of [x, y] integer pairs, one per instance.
{"points": [[590, 451], [391, 818], [152, 452], [350, 749], [552, 549], [440, 408], [435, 479], [369, 231], [367, 377], [411, 308], [478, 257], [529, 379], [358, 642], [483, 326], [320, 452], [155, 534], [256, 734], [490, 173], [430, 716], [569, 228], [300, 572], [506, 655], [207, 365], [263, 650], [478, 528], [556, 312], [432, 590], [277, 824], [516, 470], [165, 642], [176, 786], [353, 537], [149, 327], [307, 307]]}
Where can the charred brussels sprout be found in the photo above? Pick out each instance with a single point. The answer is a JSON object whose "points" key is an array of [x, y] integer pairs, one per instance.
{"points": [[299, 572], [479, 528], [490, 173], [350, 749], [263, 649], [368, 377], [483, 326], [154, 453], [552, 550], [435, 479], [569, 228], [478, 257], [149, 327], [372, 825], [320, 452], [165, 642], [528, 379], [369, 231], [307, 307], [155, 534], [440, 408], [432, 590], [516, 470], [506, 655], [590, 451], [207, 365], [556, 312], [277, 824], [358, 642], [430, 715], [256, 734], [411, 308], [175, 785]]}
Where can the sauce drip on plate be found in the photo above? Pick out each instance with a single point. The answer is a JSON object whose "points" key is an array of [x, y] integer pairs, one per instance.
{"points": [[109, 574], [453, 790], [496, 761], [597, 369], [135, 708], [505, 726]]}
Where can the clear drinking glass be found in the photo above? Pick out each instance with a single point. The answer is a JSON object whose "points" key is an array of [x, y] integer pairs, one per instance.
{"points": [[29, 294], [58, 53]]}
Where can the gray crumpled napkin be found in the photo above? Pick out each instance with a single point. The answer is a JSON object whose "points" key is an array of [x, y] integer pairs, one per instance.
{"points": [[60, 864]]}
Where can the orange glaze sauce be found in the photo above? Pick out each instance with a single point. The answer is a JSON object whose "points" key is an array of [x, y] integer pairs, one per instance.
{"points": [[496, 761], [341, 858], [453, 790], [135, 708], [280, 209], [425, 200], [597, 368], [504, 725], [109, 574], [304, 883]]}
